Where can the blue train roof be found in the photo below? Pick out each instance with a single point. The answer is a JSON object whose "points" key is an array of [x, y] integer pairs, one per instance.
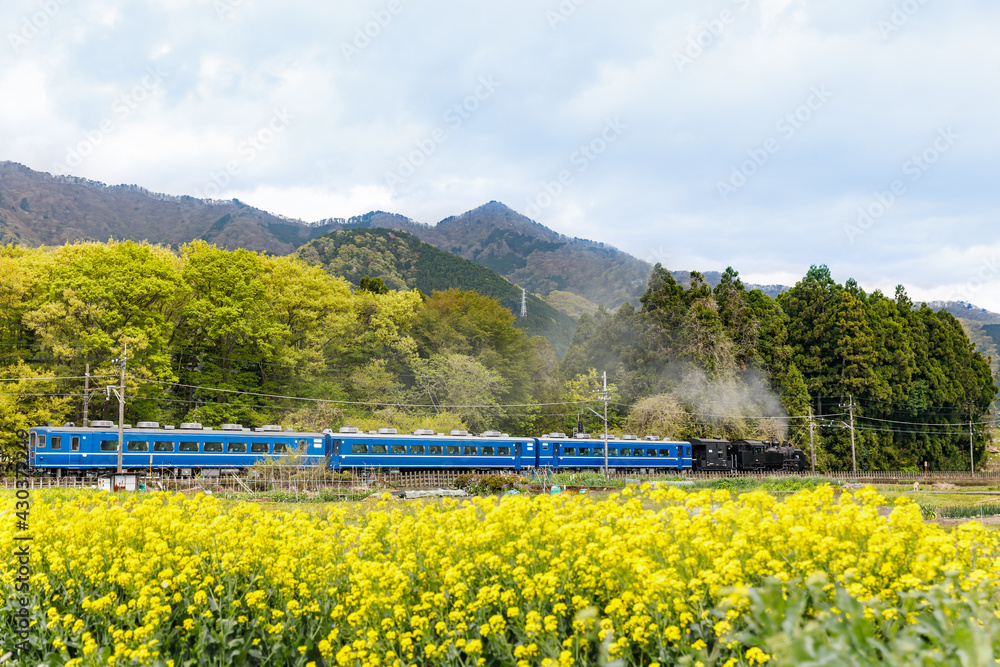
{"points": [[427, 434], [185, 429]]}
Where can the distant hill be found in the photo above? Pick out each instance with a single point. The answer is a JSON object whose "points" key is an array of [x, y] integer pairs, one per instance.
{"points": [[403, 261], [966, 311], [40, 209], [571, 304], [713, 278], [528, 253]]}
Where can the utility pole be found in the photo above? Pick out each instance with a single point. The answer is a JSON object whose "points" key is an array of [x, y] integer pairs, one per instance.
{"points": [[972, 464], [121, 408], [524, 302], [604, 397], [86, 394], [812, 450], [850, 411]]}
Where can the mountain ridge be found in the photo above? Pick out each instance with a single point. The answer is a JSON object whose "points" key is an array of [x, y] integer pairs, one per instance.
{"points": [[38, 208], [403, 261]]}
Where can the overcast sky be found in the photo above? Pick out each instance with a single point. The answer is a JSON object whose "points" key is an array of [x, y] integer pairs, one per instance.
{"points": [[766, 135]]}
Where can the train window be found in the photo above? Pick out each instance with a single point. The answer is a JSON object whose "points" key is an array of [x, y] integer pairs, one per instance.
{"points": [[33, 440], [74, 444], [399, 449], [163, 446], [626, 452], [41, 442], [503, 451], [488, 451], [583, 451], [258, 448], [613, 452], [280, 448], [109, 445], [359, 449], [237, 448], [189, 447], [454, 450], [687, 450], [302, 445], [569, 451], [138, 446], [380, 449], [213, 447], [434, 449], [416, 449], [471, 451], [56, 442]]}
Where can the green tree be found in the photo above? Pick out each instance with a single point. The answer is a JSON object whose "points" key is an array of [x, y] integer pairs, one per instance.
{"points": [[89, 300], [455, 322], [460, 384], [27, 398], [226, 331]]}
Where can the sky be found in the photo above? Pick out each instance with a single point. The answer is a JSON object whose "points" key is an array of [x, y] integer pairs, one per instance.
{"points": [[766, 135]]}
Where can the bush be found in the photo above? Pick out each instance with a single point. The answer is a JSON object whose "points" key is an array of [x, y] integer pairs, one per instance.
{"points": [[485, 484]]}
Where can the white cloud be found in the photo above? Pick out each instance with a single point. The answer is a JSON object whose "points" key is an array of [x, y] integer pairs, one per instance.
{"points": [[653, 192]]}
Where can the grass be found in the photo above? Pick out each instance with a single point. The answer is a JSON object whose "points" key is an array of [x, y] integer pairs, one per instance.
{"points": [[774, 484]]}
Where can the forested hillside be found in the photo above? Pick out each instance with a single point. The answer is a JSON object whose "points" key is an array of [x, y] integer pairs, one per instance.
{"points": [[528, 253], [728, 361], [221, 336], [403, 261], [41, 209]]}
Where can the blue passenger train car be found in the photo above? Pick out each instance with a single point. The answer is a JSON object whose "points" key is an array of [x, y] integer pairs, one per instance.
{"points": [[425, 449], [583, 452], [182, 450]]}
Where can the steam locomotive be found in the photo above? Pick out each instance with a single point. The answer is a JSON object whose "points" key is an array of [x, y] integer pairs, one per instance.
{"points": [[746, 455]]}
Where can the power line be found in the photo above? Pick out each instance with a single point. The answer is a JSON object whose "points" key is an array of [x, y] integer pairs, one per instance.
{"points": [[891, 421], [365, 403], [67, 377]]}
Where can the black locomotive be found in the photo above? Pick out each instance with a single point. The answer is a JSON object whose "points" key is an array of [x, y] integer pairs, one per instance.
{"points": [[745, 455]]}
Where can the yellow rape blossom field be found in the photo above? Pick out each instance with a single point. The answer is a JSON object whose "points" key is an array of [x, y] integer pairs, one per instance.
{"points": [[644, 577]]}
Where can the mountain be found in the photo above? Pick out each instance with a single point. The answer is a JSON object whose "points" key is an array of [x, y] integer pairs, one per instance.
{"points": [[41, 209], [528, 253], [37, 208], [403, 261]]}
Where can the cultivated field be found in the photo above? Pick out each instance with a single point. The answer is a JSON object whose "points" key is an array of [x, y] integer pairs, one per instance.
{"points": [[646, 575]]}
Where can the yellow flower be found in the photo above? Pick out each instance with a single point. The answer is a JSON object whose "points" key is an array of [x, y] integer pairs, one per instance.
{"points": [[755, 656]]}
